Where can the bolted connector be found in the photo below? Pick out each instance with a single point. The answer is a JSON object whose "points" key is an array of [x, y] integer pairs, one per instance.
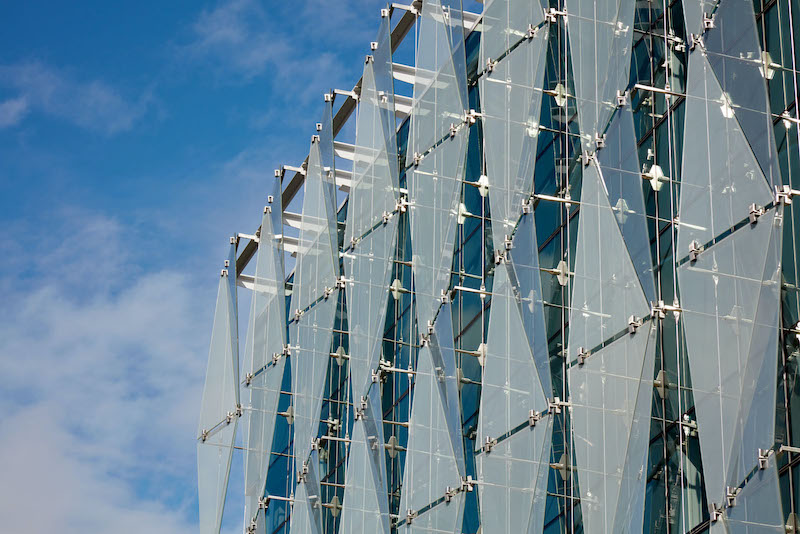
{"points": [[327, 292], [507, 243], [756, 211], [554, 406], [582, 355], [402, 204], [204, 435], [600, 140], [449, 493], [622, 99], [730, 496], [373, 45], [532, 31], [248, 378], [527, 205], [695, 248], [417, 158], [634, 323], [533, 417], [386, 217], [384, 13], [488, 445], [783, 195], [467, 483], [410, 515], [490, 65], [499, 257], [697, 41], [763, 458], [453, 130], [708, 21], [716, 512], [297, 315], [341, 283]]}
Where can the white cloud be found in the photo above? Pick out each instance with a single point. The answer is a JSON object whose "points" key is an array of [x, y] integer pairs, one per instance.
{"points": [[93, 104], [100, 377], [12, 111]]}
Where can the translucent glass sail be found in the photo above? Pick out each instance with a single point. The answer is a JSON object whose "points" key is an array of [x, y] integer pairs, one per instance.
{"points": [[310, 331], [374, 189], [365, 508], [444, 365], [440, 90], [430, 465], [720, 290], [734, 52], [218, 415], [264, 362], [510, 383], [371, 227], [435, 192], [513, 481], [606, 290], [758, 507], [306, 516], [755, 429], [621, 170], [317, 256], [443, 518], [511, 96], [600, 38], [327, 155], [609, 367], [526, 281]]}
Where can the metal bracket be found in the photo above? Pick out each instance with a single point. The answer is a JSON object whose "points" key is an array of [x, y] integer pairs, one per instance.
{"points": [[533, 418], [756, 211], [468, 483], [410, 515], [730, 496], [622, 99], [783, 195], [499, 257], [488, 445], [716, 512], [449, 493], [695, 248], [763, 458], [634, 323], [297, 315], [582, 355], [600, 140], [341, 283], [552, 15], [532, 31], [697, 40], [659, 310], [708, 21], [554, 405], [508, 243]]}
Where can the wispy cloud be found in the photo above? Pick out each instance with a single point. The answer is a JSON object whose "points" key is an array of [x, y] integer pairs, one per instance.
{"points": [[298, 45], [100, 376], [91, 104], [12, 111]]}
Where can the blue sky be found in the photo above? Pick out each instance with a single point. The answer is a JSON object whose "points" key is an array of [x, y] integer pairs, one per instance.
{"points": [[134, 139]]}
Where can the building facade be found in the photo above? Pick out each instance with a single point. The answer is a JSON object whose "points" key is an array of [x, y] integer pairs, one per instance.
{"points": [[538, 273]]}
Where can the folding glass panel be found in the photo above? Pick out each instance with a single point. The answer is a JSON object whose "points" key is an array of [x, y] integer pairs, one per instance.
{"points": [[606, 291], [444, 364], [444, 518], [305, 516], [217, 427], [608, 365], [511, 96], [604, 391], [266, 337], [621, 171], [368, 268], [734, 52], [435, 192], [510, 383], [374, 189], [600, 37], [720, 290], [310, 359], [513, 480], [365, 508], [758, 505], [721, 177], [526, 281], [755, 428], [430, 465], [317, 257], [310, 332], [440, 91]]}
